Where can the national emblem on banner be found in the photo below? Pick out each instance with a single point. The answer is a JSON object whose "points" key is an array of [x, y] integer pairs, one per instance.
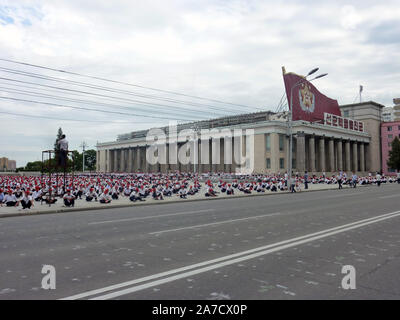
{"points": [[306, 98]]}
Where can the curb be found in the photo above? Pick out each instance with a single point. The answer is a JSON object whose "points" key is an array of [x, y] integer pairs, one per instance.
{"points": [[35, 213]]}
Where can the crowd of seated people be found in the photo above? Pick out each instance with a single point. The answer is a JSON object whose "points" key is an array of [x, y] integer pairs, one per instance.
{"points": [[24, 192]]}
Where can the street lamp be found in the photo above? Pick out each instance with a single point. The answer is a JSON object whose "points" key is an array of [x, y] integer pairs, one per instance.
{"points": [[83, 146], [290, 119]]}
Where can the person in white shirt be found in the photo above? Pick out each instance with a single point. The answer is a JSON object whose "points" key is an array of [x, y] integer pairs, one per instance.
{"points": [[63, 145], [105, 197], [27, 200], [69, 199], [135, 195], [91, 194], [10, 200], [1, 197], [182, 192], [37, 194]]}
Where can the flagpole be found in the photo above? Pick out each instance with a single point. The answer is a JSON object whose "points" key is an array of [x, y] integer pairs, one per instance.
{"points": [[290, 121]]}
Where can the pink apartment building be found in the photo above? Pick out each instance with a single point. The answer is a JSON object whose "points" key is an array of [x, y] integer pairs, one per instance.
{"points": [[389, 130]]}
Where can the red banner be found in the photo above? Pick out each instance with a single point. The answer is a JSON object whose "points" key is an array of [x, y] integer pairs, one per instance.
{"points": [[308, 103]]}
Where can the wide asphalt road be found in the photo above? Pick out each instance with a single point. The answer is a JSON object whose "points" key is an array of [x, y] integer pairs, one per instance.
{"points": [[285, 246]]}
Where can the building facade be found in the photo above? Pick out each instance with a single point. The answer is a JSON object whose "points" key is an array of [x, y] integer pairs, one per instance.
{"points": [[7, 164], [389, 131], [396, 109], [317, 147], [388, 114]]}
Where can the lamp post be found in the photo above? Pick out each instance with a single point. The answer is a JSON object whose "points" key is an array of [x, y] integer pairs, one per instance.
{"points": [[290, 120], [195, 146], [83, 146]]}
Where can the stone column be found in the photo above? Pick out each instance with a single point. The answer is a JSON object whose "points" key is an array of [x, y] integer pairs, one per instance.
{"points": [[311, 150], [355, 156], [233, 165], [347, 155], [136, 166], [340, 154], [214, 155], [331, 155], [122, 160], [108, 160], [362, 157], [221, 165], [130, 160], [115, 165], [322, 166], [146, 163], [173, 155], [301, 152]]}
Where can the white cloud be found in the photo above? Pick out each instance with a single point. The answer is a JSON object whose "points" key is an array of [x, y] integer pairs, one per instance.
{"points": [[227, 50]]}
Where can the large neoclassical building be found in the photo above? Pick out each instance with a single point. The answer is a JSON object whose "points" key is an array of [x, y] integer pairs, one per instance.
{"points": [[348, 143]]}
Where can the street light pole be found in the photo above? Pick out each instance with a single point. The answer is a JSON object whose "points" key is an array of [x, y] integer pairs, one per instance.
{"points": [[83, 146], [290, 120], [195, 146]]}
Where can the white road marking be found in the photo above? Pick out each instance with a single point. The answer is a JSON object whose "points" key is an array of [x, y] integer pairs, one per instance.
{"points": [[226, 260], [391, 196], [215, 223], [150, 217]]}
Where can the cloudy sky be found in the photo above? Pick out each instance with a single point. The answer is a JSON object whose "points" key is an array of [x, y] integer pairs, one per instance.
{"points": [[224, 50]]}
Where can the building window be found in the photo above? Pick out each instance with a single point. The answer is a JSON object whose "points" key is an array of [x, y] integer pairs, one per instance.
{"points": [[389, 144], [281, 163], [268, 163], [268, 142], [390, 136], [389, 128], [281, 142], [294, 163], [346, 114]]}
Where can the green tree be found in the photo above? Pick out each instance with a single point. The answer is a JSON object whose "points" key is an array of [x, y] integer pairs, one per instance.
{"points": [[394, 155], [33, 166], [59, 134], [77, 159], [90, 160]]}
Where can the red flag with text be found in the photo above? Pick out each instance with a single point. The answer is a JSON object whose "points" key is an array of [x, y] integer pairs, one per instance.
{"points": [[308, 103]]}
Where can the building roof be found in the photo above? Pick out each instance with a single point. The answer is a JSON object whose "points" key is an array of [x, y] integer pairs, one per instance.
{"points": [[213, 123], [362, 104]]}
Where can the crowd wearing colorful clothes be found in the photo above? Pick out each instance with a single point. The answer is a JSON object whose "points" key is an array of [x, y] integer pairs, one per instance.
{"points": [[24, 192]]}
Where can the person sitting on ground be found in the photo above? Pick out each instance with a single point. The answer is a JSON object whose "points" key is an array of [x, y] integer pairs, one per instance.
{"points": [[182, 193], [37, 194], [191, 191], [10, 200], [105, 197], [91, 194], [26, 200], [49, 199], [1, 197], [210, 192], [135, 195], [229, 190], [297, 186], [18, 195], [69, 199], [127, 191], [114, 193]]}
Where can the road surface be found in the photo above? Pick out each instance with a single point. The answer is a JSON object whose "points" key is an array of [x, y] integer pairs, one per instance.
{"points": [[286, 246]]}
